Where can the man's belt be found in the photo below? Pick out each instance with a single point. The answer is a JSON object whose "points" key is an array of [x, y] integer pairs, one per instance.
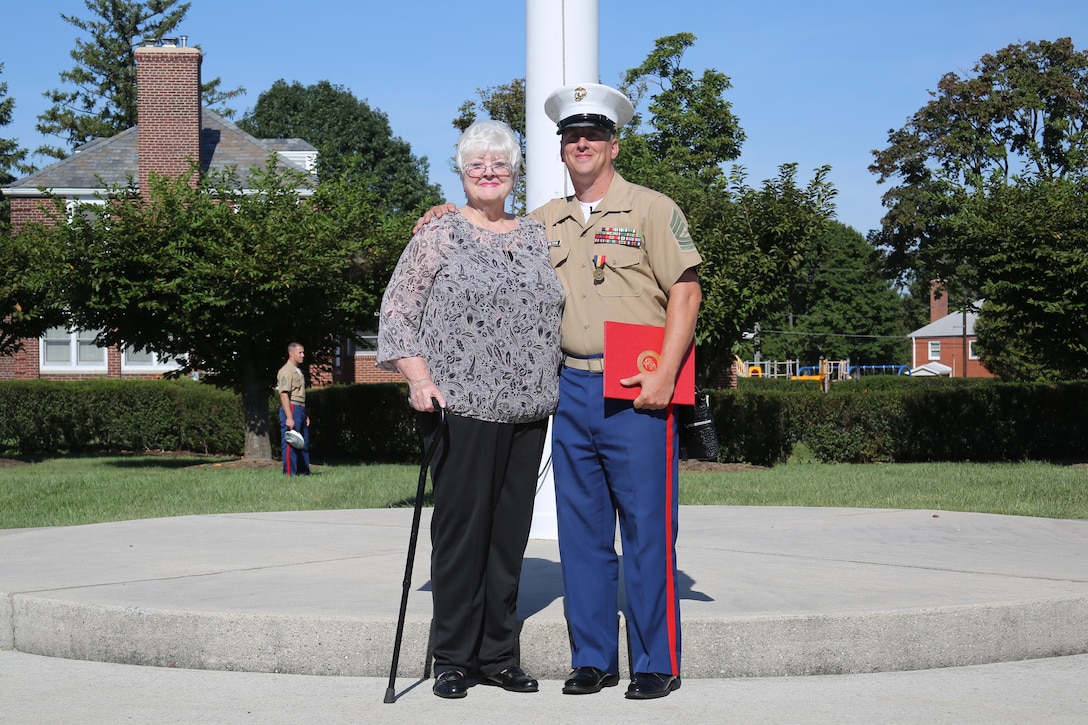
{"points": [[589, 364]]}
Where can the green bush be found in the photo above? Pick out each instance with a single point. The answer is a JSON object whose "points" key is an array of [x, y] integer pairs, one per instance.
{"points": [[891, 420], [370, 423], [45, 416], [900, 419], [752, 427], [366, 422]]}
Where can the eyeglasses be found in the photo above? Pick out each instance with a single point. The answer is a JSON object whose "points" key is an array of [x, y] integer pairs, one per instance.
{"points": [[589, 133], [477, 170]]}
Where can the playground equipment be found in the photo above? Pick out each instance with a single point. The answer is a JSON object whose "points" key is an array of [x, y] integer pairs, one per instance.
{"points": [[823, 373], [856, 371]]}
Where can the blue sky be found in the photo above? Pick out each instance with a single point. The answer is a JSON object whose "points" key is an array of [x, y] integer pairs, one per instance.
{"points": [[813, 83]]}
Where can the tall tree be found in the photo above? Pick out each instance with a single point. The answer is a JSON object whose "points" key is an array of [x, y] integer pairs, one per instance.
{"points": [[838, 307], [693, 130], [12, 157], [750, 239], [225, 279], [1008, 142], [1032, 242], [30, 273], [505, 103], [353, 140], [1021, 113], [753, 242], [103, 100]]}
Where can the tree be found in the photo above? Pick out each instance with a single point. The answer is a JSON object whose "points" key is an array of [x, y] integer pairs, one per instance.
{"points": [[12, 157], [750, 239], [1033, 259], [353, 140], [693, 127], [103, 101], [753, 242], [504, 103], [1008, 142], [224, 278], [838, 307], [30, 265]]}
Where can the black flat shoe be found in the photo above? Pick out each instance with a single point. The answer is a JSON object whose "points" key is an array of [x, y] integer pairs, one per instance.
{"points": [[451, 684], [650, 685], [511, 679], [587, 680]]}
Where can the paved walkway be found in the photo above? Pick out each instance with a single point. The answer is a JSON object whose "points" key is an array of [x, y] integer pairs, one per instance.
{"points": [[49, 691], [767, 593]]}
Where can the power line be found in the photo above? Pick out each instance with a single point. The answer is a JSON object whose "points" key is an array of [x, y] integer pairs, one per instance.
{"points": [[836, 334]]}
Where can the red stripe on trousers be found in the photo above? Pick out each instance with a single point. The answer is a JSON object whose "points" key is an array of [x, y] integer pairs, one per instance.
{"points": [[670, 567]]}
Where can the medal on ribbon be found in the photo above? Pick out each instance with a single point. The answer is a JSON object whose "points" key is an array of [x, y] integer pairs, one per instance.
{"points": [[598, 268]]}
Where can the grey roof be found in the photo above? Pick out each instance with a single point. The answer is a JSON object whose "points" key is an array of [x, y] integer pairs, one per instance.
{"points": [[108, 161], [930, 370], [112, 159], [950, 325]]}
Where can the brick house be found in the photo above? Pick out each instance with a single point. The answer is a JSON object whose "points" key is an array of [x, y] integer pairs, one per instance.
{"points": [[172, 130], [938, 348]]}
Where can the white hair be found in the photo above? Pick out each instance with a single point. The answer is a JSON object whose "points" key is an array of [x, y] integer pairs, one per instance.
{"points": [[488, 137]]}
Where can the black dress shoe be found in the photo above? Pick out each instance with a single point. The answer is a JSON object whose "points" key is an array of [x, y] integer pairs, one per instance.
{"points": [[511, 679], [649, 685], [587, 680], [451, 684]]}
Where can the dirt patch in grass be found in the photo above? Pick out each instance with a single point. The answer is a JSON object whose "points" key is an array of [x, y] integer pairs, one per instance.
{"points": [[713, 466], [250, 463], [242, 463]]}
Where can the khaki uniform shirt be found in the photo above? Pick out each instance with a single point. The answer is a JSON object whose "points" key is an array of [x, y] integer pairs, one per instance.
{"points": [[291, 381], [642, 245]]}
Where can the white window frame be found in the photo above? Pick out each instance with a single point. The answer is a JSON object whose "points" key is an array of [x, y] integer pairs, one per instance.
{"points": [[934, 349], [972, 351], [77, 341], [157, 364], [72, 204]]}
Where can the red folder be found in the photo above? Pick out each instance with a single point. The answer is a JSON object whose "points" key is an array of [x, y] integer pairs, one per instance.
{"points": [[630, 349]]}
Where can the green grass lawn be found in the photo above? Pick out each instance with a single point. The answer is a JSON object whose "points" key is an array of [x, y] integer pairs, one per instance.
{"points": [[80, 490]]}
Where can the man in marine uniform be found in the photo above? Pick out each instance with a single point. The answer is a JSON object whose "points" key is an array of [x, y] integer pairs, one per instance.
{"points": [[624, 254], [292, 389]]}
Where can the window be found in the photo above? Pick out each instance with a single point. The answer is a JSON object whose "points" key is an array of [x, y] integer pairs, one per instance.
{"points": [[972, 350], [934, 349], [135, 360], [74, 206], [62, 349]]}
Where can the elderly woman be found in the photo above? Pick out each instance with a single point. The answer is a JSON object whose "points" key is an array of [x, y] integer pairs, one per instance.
{"points": [[471, 319]]}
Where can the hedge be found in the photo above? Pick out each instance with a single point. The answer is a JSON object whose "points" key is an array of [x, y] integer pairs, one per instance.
{"points": [[904, 420], [866, 421]]}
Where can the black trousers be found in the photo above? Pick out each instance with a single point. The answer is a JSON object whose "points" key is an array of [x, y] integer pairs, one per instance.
{"points": [[485, 477]]}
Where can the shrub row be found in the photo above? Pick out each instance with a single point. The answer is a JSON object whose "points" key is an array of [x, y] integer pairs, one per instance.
{"points": [[365, 422], [37, 417], [905, 421], [44, 417], [893, 420]]}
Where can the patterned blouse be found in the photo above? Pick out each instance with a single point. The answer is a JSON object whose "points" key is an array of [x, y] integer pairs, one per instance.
{"points": [[482, 308]]}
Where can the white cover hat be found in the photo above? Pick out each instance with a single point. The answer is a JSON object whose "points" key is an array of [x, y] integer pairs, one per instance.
{"points": [[294, 439], [588, 104]]}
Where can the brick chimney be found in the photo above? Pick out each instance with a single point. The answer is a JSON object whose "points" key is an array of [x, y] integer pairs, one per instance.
{"points": [[168, 108], [938, 306]]}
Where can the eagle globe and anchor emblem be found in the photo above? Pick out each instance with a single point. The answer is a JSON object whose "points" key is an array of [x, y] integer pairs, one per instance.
{"points": [[648, 360]]}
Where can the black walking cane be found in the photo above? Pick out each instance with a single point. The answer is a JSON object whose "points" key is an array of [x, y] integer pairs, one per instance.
{"points": [[390, 691]]}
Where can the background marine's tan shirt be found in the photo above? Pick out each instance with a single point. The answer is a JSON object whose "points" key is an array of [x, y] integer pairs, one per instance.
{"points": [[291, 381], [620, 264]]}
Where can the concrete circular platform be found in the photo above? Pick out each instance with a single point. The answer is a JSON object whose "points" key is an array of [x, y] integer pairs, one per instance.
{"points": [[764, 592]]}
